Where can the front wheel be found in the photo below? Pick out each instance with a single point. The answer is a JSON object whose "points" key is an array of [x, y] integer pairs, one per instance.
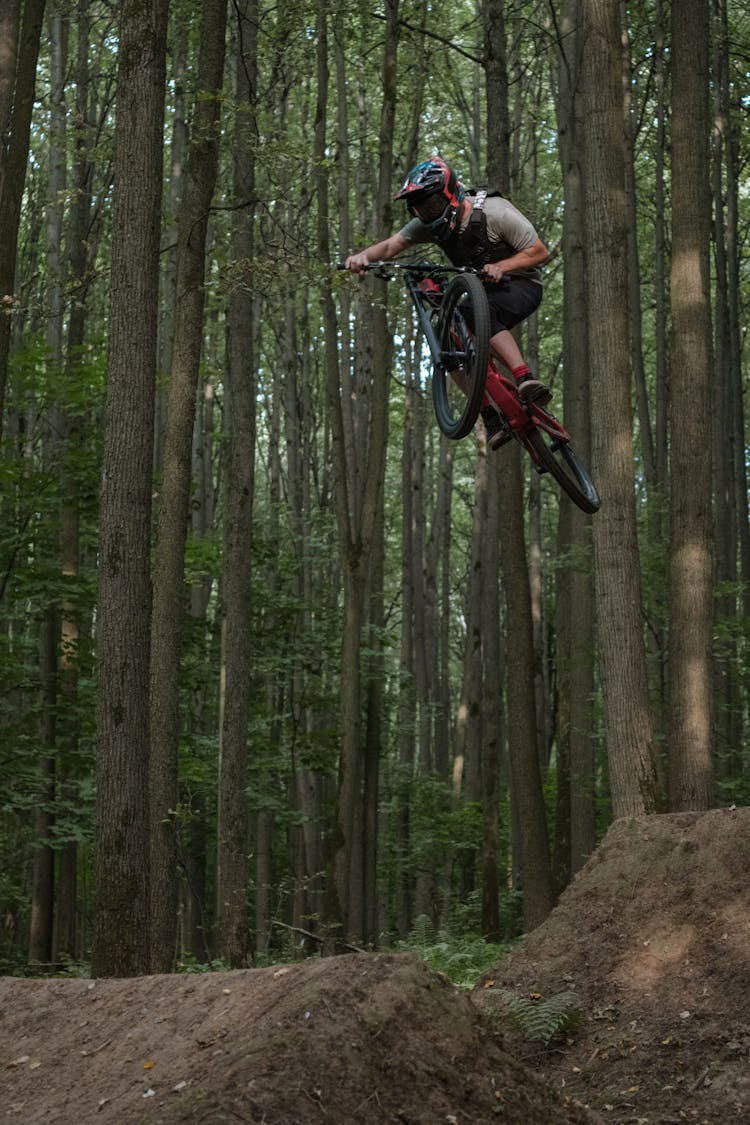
{"points": [[559, 459], [459, 380]]}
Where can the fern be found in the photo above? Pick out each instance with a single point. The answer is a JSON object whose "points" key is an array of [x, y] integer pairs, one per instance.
{"points": [[462, 958], [537, 1019]]}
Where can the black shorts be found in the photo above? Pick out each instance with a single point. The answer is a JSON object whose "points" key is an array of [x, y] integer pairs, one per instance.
{"points": [[511, 301]]}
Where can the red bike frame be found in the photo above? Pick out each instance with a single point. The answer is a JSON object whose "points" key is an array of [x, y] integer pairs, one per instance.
{"points": [[520, 416]]}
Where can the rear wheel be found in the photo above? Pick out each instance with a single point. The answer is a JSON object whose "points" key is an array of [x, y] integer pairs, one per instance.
{"points": [[561, 461], [464, 336]]}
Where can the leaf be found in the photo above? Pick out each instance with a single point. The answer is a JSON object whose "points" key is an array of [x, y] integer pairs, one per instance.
{"points": [[539, 1019]]}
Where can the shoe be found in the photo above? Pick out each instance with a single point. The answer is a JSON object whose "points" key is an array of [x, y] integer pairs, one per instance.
{"points": [[532, 390], [498, 430]]}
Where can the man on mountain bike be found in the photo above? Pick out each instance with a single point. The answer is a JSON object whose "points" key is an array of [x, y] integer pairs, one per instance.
{"points": [[486, 231]]}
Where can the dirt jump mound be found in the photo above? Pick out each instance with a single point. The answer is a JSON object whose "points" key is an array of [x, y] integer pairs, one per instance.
{"points": [[348, 1040], [650, 948], [653, 939]]}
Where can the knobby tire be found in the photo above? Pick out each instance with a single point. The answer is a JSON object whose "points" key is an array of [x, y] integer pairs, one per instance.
{"points": [[464, 344], [562, 462]]}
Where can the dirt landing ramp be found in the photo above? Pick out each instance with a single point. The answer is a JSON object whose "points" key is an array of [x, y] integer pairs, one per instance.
{"points": [[653, 937]]}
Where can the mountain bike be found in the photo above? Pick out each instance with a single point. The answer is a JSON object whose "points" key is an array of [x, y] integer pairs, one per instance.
{"points": [[453, 313]]}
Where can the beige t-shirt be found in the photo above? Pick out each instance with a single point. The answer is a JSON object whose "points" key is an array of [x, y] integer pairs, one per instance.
{"points": [[505, 224]]}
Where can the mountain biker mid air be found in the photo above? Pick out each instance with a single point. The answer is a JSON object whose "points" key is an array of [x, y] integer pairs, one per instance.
{"points": [[484, 231]]}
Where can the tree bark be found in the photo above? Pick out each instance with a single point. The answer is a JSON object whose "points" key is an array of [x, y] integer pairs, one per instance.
{"points": [[575, 638], [168, 581], [80, 243], [526, 787], [41, 922], [356, 509], [690, 548], [630, 747], [232, 839], [492, 725], [121, 942], [20, 34], [526, 780]]}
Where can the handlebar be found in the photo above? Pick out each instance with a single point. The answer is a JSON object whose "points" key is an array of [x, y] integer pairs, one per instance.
{"points": [[383, 268]]}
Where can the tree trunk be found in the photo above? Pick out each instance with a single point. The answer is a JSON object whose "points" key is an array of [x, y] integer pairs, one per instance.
{"points": [[406, 713], [623, 666], [357, 511], [526, 789], [80, 241], [526, 781], [121, 943], [690, 549], [575, 640], [41, 921], [20, 34], [661, 293], [232, 837], [492, 726], [42, 911], [645, 431], [467, 769], [731, 531], [168, 583]]}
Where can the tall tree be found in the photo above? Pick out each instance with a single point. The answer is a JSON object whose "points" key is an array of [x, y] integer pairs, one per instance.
{"points": [[121, 943], [731, 531], [575, 593], [20, 34], [357, 509], [81, 244], [239, 485], [168, 582], [41, 926], [526, 781], [690, 549], [618, 594]]}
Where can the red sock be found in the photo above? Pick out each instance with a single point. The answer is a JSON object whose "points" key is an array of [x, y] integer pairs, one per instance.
{"points": [[519, 372]]}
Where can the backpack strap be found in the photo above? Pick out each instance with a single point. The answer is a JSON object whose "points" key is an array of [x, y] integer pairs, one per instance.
{"points": [[478, 220]]}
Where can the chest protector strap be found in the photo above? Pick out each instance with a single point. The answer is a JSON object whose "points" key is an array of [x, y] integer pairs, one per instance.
{"points": [[471, 247]]}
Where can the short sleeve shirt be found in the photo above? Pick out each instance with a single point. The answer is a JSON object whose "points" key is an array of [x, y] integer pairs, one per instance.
{"points": [[505, 224]]}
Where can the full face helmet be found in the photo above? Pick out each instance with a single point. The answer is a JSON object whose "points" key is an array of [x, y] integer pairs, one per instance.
{"points": [[432, 192]]}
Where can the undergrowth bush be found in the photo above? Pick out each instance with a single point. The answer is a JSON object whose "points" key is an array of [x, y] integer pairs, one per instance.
{"points": [[462, 957]]}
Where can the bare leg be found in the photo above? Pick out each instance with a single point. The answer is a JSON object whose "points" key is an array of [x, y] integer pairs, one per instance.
{"points": [[506, 349]]}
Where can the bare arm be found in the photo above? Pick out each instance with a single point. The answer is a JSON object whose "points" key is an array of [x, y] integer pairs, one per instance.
{"points": [[526, 259], [379, 251]]}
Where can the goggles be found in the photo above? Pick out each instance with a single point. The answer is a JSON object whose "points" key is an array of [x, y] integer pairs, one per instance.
{"points": [[430, 208]]}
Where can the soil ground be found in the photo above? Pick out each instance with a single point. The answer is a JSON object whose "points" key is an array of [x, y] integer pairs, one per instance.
{"points": [[652, 938]]}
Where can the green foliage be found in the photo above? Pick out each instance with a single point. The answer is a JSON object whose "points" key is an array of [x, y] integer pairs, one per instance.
{"points": [[192, 965], [463, 958], [440, 823], [533, 1017], [51, 452]]}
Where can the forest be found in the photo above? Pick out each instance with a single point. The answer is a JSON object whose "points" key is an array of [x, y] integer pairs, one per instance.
{"points": [[285, 670]]}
